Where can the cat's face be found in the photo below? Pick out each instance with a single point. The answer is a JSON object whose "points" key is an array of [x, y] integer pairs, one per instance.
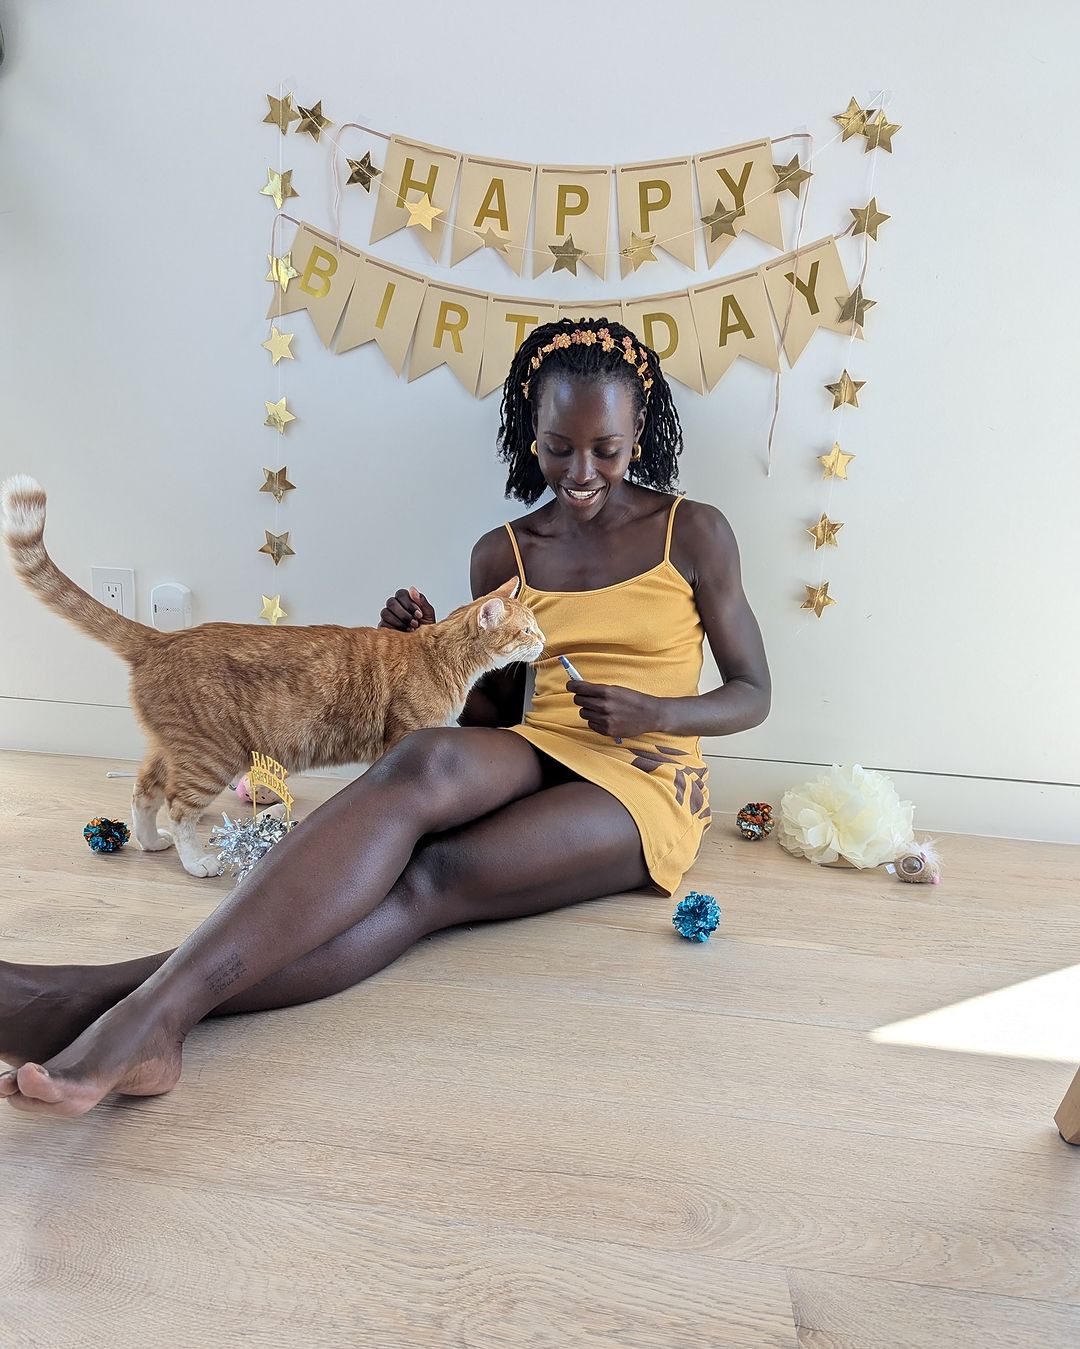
{"points": [[508, 627]]}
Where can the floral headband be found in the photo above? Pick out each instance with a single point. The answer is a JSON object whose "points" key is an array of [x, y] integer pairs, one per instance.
{"points": [[589, 336]]}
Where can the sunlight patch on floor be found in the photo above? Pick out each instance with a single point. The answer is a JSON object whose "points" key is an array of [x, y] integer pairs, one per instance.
{"points": [[1037, 1019]]}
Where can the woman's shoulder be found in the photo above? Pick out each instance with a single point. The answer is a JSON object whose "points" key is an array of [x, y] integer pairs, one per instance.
{"points": [[702, 540], [493, 561]]}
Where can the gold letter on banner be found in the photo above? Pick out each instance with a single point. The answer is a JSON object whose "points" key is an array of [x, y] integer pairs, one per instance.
{"points": [[495, 195], [327, 272], [733, 320], [450, 329], [509, 322], [385, 304], [803, 288], [666, 323], [411, 170], [572, 201], [740, 178], [657, 199]]}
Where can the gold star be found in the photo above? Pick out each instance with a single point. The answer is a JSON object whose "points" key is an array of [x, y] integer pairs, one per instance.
{"points": [[279, 186], [879, 133], [493, 239], [312, 120], [277, 481], [824, 532], [422, 212], [853, 119], [281, 270], [835, 462], [790, 177], [277, 344], [639, 249], [278, 416], [853, 307], [281, 112], [272, 608], [277, 546], [845, 390], [566, 255], [722, 222], [362, 171], [868, 219], [817, 598]]}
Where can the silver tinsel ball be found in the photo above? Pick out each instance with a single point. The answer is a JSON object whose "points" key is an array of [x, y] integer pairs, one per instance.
{"points": [[240, 844]]}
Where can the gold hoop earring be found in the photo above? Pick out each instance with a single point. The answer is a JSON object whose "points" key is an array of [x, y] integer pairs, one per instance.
{"points": [[534, 450], [635, 453]]}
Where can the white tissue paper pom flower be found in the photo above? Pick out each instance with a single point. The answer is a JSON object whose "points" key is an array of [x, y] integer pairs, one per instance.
{"points": [[850, 813]]}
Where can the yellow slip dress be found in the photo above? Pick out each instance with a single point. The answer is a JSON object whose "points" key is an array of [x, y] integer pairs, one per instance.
{"points": [[645, 634]]}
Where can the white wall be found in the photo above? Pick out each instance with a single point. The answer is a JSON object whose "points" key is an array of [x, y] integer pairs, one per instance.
{"points": [[132, 243]]}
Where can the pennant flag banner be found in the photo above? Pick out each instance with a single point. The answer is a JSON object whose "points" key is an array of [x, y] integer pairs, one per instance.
{"points": [[738, 188], [698, 333]]}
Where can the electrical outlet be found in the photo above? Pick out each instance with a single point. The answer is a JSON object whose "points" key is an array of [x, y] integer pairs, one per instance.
{"points": [[115, 588]]}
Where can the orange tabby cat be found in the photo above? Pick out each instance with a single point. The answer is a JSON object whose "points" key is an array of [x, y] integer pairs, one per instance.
{"points": [[310, 697]]}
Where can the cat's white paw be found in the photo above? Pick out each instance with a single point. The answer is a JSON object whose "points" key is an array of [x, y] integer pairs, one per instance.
{"points": [[157, 843], [207, 865]]}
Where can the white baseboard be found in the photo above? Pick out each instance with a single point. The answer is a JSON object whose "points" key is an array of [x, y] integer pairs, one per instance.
{"points": [[994, 807]]}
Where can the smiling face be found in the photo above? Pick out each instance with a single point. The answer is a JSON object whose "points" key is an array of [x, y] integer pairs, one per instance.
{"points": [[585, 434]]}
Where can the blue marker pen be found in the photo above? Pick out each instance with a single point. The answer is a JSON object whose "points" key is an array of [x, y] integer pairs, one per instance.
{"points": [[568, 667]]}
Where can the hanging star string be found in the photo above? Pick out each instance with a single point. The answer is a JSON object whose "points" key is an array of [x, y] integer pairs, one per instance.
{"points": [[852, 120], [312, 120], [566, 255], [422, 212], [278, 415], [281, 113], [720, 221], [277, 546], [853, 309], [824, 532], [817, 598], [845, 391], [281, 270], [277, 482], [361, 171], [279, 186], [835, 462], [879, 132], [868, 219], [639, 249], [492, 238], [790, 177], [277, 344], [271, 608]]}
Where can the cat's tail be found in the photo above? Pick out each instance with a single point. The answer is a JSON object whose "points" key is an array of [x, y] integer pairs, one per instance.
{"points": [[23, 502]]}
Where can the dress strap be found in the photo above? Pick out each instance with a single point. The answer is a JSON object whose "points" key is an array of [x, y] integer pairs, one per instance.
{"points": [[670, 525], [517, 554]]}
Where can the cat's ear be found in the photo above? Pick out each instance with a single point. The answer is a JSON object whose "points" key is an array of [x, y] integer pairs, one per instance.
{"points": [[491, 614], [508, 589]]}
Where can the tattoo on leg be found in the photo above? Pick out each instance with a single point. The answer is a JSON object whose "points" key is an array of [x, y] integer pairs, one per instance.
{"points": [[226, 974]]}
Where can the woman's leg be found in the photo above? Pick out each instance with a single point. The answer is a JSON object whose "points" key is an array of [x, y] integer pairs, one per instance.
{"points": [[465, 875], [552, 848]]}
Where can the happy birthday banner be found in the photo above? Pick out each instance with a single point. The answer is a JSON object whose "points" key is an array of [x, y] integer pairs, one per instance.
{"points": [[697, 333], [654, 204]]}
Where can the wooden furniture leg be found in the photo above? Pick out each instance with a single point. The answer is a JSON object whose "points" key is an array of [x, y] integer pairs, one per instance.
{"points": [[1067, 1118]]}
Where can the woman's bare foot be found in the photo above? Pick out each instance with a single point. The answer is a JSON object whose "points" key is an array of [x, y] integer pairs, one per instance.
{"points": [[126, 1050], [44, 1007]]}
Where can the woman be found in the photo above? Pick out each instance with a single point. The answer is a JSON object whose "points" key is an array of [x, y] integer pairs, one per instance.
{"points": [[600, 789]]}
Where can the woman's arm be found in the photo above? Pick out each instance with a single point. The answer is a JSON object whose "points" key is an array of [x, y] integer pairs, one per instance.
{"points": [[497, 699], [709, 556]]}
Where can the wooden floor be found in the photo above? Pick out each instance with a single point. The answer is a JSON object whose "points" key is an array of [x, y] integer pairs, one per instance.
{"points": [[574, 1131]]}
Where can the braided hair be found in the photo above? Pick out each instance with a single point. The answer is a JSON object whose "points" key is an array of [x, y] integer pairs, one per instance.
{"points": [[661, 437]]}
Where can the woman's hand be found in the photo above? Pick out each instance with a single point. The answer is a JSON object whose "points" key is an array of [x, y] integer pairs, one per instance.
{"points": [[406, 610], [612, 710]]}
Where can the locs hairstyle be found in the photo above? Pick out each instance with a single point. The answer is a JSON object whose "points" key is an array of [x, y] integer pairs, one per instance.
{"points": [[661, 438]]}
